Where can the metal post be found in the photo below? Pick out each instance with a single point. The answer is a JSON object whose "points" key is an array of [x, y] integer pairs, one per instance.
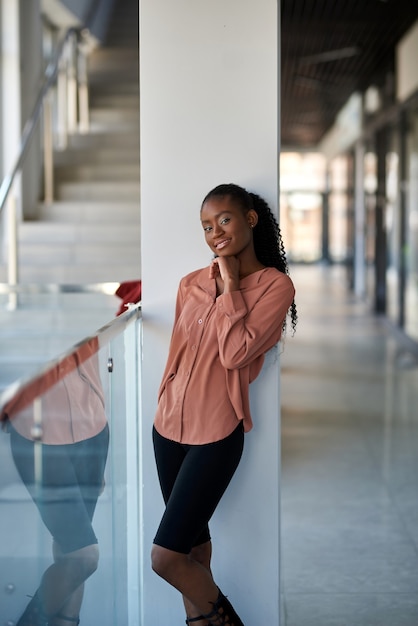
{"points": [[350, 220], [72, 84], [37, 436], [359, 222], [12, 269], [62, 103], [380, 225], [326, 257], [403, 215], [83, 91], [48, 152]]}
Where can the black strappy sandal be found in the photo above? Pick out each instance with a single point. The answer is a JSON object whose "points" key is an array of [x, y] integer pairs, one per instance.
{"points": [[33, 615], [189, 620], [223, 613]]}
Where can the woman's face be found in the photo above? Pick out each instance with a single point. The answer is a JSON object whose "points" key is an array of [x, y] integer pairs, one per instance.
{"points": [[228, 230]]}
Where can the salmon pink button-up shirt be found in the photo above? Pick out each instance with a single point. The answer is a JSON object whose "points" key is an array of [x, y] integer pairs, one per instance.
{"points": [[217, 349]]}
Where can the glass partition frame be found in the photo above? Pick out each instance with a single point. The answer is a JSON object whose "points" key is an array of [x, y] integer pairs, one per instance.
{"points": [[108, 365]]}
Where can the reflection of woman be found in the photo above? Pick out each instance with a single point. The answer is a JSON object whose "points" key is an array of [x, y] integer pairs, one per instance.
{"points": [[74, 449], [227, 316]]}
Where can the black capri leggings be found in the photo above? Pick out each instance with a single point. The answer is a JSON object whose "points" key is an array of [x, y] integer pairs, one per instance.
{"points": [[193, 479], [72, 479]]}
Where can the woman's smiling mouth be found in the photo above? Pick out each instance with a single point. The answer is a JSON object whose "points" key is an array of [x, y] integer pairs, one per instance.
{"points": [[222, 244]]}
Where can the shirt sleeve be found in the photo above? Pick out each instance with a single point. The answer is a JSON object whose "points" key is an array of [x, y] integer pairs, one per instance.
{"points": [[245, 334]]}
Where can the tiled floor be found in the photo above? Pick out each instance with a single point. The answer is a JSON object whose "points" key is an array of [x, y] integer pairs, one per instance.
{"points": [[350, 464]]}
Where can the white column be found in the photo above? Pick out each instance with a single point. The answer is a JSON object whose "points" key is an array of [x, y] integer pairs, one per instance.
{"points": [[10, 89], [209, 115], [359, 222], [10, 129]]}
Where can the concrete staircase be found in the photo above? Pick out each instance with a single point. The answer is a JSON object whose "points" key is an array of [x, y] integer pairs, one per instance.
{"points": [[91, 233]]}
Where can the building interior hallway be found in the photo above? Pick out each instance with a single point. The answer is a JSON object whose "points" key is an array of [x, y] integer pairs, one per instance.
{"points": [[349, 463]]}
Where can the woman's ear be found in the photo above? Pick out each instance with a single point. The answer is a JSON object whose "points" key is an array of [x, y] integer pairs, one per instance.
{"points": [[252, 218]]}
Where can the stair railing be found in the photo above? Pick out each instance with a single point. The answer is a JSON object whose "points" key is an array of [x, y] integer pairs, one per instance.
{"points": [[62, 113]]}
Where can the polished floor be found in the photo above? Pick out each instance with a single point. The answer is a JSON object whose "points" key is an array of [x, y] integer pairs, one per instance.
{"points": [[350, 463]]}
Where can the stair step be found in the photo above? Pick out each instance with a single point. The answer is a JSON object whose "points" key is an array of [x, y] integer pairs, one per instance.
{"points": [[42, 254], [117, 71], [34, 233], [75, 155], [81, 273], [61, 274], [106, 115], [100, 86], [122, 139], [115, 190], [98, 172], [115, 100], [109, 58], [96, 212]]}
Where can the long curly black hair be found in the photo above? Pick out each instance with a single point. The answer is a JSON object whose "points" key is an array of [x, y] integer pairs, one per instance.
{"points": [[267, 237]]}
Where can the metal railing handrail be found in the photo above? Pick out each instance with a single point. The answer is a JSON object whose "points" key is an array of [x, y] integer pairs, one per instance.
{"points": [[53, 288], [52, 371], [29, 128]]}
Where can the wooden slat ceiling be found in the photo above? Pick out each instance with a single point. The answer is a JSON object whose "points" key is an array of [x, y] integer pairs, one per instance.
{"points": [[329, 49]]}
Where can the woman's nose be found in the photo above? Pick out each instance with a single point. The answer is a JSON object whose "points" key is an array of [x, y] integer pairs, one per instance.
{"points": [[217, 230]]}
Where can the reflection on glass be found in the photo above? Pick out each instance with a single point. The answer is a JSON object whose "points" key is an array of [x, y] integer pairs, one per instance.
{"points": [[59, 440]]}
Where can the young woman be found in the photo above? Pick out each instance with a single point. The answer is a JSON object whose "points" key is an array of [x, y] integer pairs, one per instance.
{"points": [[227, 316]]}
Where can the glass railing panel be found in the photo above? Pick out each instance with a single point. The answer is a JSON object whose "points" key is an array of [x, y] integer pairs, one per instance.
{"points": [[45, 324], [123, 468], [69, 503]]}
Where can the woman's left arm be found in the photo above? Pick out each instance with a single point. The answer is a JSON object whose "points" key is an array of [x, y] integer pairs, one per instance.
{"points": [[244, 334]]}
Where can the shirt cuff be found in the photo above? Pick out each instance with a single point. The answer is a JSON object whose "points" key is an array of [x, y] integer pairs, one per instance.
{"points": [[232, 304]]}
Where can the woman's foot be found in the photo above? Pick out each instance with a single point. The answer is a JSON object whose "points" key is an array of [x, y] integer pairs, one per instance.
{"points": [[33, 615], [223, 613]]}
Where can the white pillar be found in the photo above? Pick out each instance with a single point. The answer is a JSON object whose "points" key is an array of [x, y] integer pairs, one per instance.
{"points": [[10, 125], [209, 115], [10, 89], [359, 222]]}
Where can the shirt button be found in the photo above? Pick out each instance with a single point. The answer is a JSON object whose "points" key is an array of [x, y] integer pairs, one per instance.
{"points": [[200, 321], [193, 347]]}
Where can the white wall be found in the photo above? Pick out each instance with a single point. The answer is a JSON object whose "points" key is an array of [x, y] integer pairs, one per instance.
{"points": [[209, 114]]}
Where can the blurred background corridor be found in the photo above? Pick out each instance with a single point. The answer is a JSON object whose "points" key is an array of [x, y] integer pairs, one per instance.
{"points": [[349, 462]]}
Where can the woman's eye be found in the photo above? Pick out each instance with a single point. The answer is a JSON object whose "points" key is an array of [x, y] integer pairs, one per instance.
{"points": [[225, 220], [207, 228]]}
